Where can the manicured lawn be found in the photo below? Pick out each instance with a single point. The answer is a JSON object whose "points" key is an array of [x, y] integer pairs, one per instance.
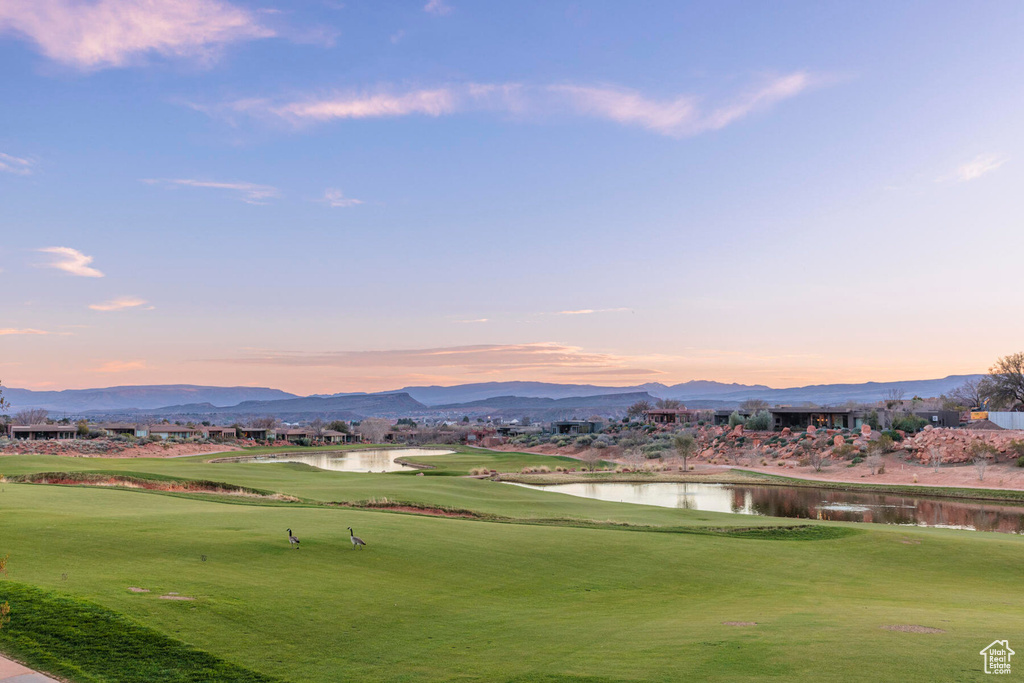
{"points": [[433, 599]]}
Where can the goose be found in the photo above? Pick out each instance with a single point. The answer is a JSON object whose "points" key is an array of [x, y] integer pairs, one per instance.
{"points": [[292, 540], [356, 541]]}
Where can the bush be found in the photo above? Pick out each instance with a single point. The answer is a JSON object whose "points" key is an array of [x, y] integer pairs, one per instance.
{"points": [[761, 422], [305, 442], [735, 418], [599, 445], [909, 423], [1020, 461], [892, 434], [584, 440]]}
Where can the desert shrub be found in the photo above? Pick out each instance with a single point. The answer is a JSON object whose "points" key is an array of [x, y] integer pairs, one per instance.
{"points": [[1016, 447], [735, 418], [305, 442], [761, 422], [599, 444], [856, 461], [584, 440], [885, 443], [892, 434], [845, 451], [909, 423], [1020, 461]]}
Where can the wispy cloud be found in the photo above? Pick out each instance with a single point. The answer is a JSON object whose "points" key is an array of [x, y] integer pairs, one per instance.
{"points": [[438, 7], [16, 165], [588, 311], [337, 198], [978, 167], [111, 33], [5, 331], [506, 356], [251, 193], [677, 116], [120, 366], [475, 320], [121, 303], [71, 261]]}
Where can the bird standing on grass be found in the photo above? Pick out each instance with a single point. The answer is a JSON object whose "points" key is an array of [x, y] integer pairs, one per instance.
{"points": [[356, 541], [292, 540]]}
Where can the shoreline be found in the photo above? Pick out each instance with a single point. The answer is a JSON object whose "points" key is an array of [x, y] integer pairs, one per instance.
{"points": [[742, 476]]}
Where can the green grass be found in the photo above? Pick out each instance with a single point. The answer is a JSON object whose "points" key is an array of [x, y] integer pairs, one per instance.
{"points": [[435, 599], [83, 641]]}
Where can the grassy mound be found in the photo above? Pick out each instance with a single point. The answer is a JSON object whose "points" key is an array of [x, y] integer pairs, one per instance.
{"points": [[82, 641]]}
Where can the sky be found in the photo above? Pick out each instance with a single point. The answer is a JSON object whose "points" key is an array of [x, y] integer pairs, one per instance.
{"points": [[325, 196]]}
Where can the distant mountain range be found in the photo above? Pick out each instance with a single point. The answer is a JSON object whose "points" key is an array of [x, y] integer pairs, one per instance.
{"points": [[540, 400], [136, 397]]}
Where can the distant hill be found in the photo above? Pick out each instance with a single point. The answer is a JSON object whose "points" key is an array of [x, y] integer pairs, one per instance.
{"points": [[543, 400], [292, 409], [546, 408], [136, 397]]}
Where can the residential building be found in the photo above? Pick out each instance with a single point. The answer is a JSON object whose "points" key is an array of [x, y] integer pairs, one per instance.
{"points": [[576, 427], [42, 432]]}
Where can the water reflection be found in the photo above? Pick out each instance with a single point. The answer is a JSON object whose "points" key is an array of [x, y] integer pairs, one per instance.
{"points": [[809, 503], [375, 460]]}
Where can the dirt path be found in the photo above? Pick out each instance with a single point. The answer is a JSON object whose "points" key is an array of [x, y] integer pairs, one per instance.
{"points": [[12, 672]]}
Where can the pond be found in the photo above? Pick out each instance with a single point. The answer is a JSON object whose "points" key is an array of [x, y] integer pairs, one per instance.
{"points": [[809, 503], [370, 460]]}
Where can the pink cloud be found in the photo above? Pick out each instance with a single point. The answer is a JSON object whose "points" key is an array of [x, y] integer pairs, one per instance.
{"points": [[110, 33], [120, 366]]}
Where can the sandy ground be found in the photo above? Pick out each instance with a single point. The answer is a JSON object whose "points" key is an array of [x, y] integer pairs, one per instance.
{"points": [[997, 476]]}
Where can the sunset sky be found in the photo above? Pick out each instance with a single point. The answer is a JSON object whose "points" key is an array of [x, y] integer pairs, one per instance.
{"points": [[327, 196]]}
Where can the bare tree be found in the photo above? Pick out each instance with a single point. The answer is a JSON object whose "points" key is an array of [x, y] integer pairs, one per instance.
{"points": [[971, 394], [935, 458], [874, 462], [318, 427], [668, 403], [591, 457], [374, 429], [4, 405], [638, 409], [754, 405], [816, 457], [265, 422], [980, 464], [893, 398], [685, 445], [31, 416], [1005, 383]]}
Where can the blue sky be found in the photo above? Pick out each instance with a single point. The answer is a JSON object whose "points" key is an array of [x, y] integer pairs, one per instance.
{"points": [[327, 196]]}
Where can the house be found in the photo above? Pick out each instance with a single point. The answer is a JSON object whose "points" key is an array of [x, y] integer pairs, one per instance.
{"points": [[722, 416], [576, 427], [214, 432], [122, 429], [670, 416], [257, 433], [943, 418], [43, 432], [332, 436], [294, 435], [802, 418], [168, 431]]}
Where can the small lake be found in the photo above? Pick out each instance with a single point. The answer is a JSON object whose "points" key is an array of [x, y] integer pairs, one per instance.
{"points": [[370, 460], [809, 503]]}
